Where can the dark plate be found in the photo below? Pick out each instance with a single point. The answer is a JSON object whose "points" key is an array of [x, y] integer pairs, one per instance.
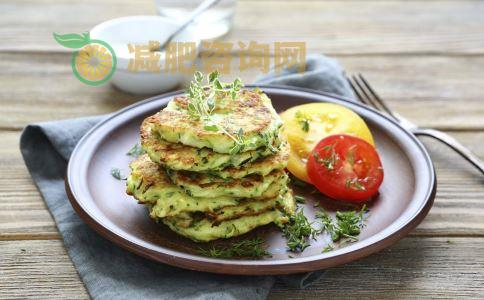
{"points": [[406, 194]]}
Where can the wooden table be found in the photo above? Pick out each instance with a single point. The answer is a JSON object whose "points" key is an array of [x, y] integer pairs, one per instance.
{"points": [[425, 57]]}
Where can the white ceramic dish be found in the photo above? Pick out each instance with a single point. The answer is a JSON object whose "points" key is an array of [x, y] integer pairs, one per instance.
{"points": [[139, 30]]}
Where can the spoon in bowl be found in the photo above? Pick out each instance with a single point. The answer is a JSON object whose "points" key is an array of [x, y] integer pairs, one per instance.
{"points": [[198, 11]]}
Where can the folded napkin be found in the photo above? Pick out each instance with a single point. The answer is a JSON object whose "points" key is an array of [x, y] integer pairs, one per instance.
{"points": [[110, 272]]}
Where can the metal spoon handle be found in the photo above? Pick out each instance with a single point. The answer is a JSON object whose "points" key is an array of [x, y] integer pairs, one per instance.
{"points": [[198, 11]]}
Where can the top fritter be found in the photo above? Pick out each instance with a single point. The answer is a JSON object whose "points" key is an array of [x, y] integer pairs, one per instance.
{"points": [[224, 120]]}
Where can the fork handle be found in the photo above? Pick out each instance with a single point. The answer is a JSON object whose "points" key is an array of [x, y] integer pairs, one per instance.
{"points": [[452, 143]]}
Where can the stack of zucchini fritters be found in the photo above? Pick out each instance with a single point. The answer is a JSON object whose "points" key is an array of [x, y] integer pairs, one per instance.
{"points": [[218, 176]]}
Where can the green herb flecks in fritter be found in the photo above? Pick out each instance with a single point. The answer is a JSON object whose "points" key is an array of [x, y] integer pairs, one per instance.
{"points": [[215, 162], [206, 229], [206, 185], [177, 156], [250, 121], [149, 184]]}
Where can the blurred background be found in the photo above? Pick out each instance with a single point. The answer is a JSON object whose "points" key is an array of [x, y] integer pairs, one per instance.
{"points": [[418, 53]]}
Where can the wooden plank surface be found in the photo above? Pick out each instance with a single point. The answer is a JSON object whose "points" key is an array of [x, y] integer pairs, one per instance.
{"points": [[450, 87], [458, 209], [413, 268], [38, 270], [341, 27]]}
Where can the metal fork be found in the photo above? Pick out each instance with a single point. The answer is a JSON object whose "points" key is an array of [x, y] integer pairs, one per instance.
{"points": [[367, 95]]}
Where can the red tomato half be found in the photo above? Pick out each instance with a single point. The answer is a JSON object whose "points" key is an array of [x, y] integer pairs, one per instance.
{"points": [[345, 168]]}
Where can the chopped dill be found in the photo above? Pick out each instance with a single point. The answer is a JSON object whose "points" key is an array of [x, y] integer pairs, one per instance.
{"points": [[116, 173], [300, 199], [327, 224], [328, 248], [303, 120], [328, 161], [355, 184], [348, 224], [136, 151], [298, 232], [247, 248], [345, 229]]}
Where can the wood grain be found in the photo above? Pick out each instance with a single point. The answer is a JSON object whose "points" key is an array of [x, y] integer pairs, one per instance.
{"points": [[458, 208], [342, 27], [413, 268], [442, 92], [38, 270], [23, 214]]}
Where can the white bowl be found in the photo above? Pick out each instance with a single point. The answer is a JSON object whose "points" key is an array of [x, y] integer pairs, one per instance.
{"points": [[139, 30]]}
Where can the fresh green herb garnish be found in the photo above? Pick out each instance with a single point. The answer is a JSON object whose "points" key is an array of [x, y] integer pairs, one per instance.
{"points": [[348, 224], [299, 232], [354, 184], [246, 248], [327, 224], [116, 173], [136, 151], [300, 199], [328, 248], [303, 120], [329, 161], [202, 104], [239, 142], [267, 139]]}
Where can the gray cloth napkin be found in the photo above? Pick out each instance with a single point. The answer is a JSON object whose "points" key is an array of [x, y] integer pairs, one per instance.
{"points": [[110, 272]]}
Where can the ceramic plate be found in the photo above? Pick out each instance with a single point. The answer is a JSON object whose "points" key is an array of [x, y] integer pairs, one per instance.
{"points": [[406, 194]]}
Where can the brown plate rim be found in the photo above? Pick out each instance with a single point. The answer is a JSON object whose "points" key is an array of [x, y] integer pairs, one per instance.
{"points": [[255, 267]]}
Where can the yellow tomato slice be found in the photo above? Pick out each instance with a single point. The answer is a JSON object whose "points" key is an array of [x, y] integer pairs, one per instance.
{"points": [[306, 125]]}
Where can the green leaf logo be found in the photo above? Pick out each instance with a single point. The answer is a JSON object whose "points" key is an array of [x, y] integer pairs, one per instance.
{"points": [[72, 40]]}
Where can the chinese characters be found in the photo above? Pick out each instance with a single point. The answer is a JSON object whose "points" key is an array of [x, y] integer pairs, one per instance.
{"points": [[181, 57]]}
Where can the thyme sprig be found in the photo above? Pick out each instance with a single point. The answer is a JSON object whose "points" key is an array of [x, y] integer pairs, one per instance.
{"points": [[247, 248], [202, 103]]}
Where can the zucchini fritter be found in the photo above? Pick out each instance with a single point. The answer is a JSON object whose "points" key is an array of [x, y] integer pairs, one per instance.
{"points": [[215, 162], [177, 156], [206, 185], [204, 229], [149, 184], [251, 110]]}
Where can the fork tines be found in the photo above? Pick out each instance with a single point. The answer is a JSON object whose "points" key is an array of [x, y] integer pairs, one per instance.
{"points": [[366, 94]]}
